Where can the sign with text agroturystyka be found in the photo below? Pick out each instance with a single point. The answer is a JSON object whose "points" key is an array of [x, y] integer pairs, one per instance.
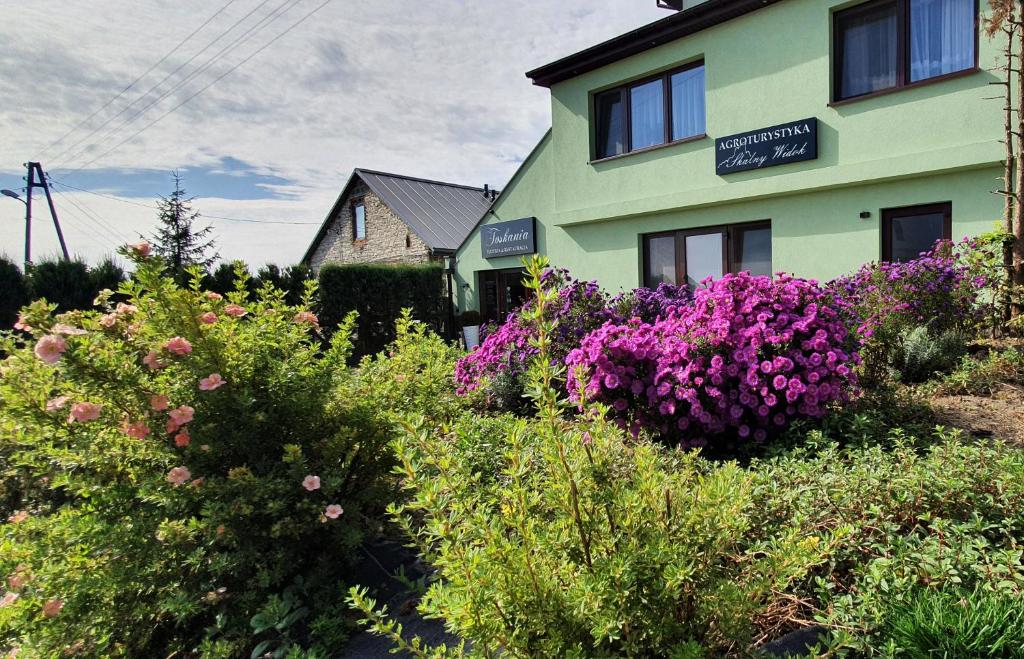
{"points": [[767, 147], [509, 238]]}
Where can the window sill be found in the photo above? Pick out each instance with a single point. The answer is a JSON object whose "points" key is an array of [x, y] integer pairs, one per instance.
{"points": [[648, 149], [912, 85]]}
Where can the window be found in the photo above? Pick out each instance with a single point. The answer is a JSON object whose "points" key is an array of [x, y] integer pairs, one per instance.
{"points": [[654, 111], [693, 255], [907, 232], [887, 44], [358, 221]]}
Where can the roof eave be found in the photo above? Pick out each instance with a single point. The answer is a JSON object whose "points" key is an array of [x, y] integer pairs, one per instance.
{"points": [[677, 26]]}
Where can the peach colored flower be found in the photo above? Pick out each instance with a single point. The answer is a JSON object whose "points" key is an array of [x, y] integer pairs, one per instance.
{"points": [[50, 348], [197, 482], [138, 430], [52, 608], [8, 599], [216, 297], [311, 482], [141, 249], [205, 448], [307, 317], [208, 318], [178, 476], [182, 415], [235, 310], [108, 320], [333, 511], [57, 403], [178, 346], [182, 439], [18, 517], [68, 330], [152, 360], [84, 412], [21, 324], [211, 382], [17, 579], [125, 309], [158, 402], [172, 426]]}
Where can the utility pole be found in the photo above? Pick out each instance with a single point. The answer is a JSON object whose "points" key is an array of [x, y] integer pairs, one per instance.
{"points": [[37, 179]]}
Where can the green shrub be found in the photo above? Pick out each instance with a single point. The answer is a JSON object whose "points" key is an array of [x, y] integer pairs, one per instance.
{"points": [[379, 293], [984, 376], [63, 283], [292, 280], [924, 353], [13, 293], [586, 545], [160, 534], [956, 623], [106, 275]]}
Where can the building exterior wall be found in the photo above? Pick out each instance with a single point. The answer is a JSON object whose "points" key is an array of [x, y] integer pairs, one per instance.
{"points": [[932, 143], [385, 236]]}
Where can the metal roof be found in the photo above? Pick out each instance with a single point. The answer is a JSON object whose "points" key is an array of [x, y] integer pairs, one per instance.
{"points": [[441, 214]]}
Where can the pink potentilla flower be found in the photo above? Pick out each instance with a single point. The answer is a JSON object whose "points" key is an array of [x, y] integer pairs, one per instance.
{"points": [[50, 348], [235, 310], [108, 320], [57, 403], [197, 482], [68, 330], [333, 511], [178, 476], [152, 360], [307, 317], [172, 426], [84, 412], [178, 346], [52, 608], [211, 382], [125, 309], [158, 402], [311, 483], [182, 415], [138, 430], [18, 517], [141, 249], [182, 439], [20, 324], [208, 318], [8, 599], [216, 297]]}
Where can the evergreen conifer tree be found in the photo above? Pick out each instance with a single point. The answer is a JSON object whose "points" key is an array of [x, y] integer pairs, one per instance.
{"points": [[177, 240]]}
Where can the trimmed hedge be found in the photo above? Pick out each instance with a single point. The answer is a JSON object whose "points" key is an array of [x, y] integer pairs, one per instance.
{"points": [[379, 293]]}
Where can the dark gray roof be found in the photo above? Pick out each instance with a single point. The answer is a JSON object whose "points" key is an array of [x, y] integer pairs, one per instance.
{"points": [[441, 214]]}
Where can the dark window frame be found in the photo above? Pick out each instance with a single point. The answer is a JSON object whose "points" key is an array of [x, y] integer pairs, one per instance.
{"points": [[626, 99], [355, 227], [944, 207], [902, 51], [728, 232]]}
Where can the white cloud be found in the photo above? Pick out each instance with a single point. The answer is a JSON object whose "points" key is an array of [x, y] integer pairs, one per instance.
{"points": [[428, 89]]}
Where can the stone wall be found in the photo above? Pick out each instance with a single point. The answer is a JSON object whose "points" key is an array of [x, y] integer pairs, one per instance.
{"points": [[388, 239]]}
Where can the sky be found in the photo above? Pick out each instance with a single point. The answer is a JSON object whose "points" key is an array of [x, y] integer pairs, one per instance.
{"points": [[430, 89]]}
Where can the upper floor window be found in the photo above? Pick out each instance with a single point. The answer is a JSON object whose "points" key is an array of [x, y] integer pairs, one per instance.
{"points": [[886, 44], [358, 221], [667, 108]]}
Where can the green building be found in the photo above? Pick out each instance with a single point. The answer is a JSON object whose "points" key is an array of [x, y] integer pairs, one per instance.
{"points": [[805, 136]]}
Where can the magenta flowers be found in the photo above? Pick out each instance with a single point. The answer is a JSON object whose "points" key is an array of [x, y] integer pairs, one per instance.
{"points": [[748, 356]]}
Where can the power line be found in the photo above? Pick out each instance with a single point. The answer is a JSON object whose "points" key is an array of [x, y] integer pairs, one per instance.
{"points": [[93, 219], [134, 82], [204, 88], [174, 87], [215, 217]]}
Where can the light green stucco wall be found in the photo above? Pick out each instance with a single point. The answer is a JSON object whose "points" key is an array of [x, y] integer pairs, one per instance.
{"points": [[938, 142]]}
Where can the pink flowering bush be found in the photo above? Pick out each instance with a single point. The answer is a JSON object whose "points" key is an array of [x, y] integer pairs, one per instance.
{"points": [[750, 355], [173, 460]]}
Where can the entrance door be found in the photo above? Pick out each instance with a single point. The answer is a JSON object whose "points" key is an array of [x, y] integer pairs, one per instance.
{"points": [[502, 292]]}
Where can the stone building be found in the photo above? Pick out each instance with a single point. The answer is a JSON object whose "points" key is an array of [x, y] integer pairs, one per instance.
{"points": [[390, 218]]}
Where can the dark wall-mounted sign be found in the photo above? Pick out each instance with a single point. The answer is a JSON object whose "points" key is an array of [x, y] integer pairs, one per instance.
{"points": [[767, 147], [509, 238]]}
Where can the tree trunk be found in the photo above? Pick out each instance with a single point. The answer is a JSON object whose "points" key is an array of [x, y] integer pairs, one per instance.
{"points": [[1018, 187], [1008, 171]]}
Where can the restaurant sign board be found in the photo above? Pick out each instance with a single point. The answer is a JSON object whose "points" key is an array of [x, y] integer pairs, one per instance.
{"points": [[767, 147], [509, 238]]}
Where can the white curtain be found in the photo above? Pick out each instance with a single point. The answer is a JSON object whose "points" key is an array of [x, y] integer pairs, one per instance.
{"points": [[647, 114], [688, 103], [869, 55], [942, 34]]}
